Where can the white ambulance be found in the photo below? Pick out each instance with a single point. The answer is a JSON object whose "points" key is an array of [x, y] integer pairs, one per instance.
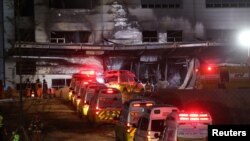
{"points": [[186, 126], [151, 123], [105, 106], [130, 114]]}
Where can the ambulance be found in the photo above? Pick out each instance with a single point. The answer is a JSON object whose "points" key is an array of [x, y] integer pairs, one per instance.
{"points": [[84, 100], [125, 81], [105, 106], [186, 126], [151, 123], [87, 76], [131, 112]]}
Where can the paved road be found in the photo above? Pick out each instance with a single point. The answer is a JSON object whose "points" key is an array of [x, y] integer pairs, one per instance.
{"points": [[60, 119]]}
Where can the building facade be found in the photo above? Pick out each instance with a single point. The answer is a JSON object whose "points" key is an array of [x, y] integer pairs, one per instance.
{"points": [[62, 24]]}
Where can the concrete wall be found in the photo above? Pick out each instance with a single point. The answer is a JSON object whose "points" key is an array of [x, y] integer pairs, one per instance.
{"points": [[225, 106], [9, 30]]}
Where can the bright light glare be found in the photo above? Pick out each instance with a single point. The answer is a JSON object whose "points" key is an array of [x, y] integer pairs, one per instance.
{"points": [[244, 38]]}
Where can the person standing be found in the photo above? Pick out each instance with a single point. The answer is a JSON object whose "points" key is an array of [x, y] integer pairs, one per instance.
{"points": [[36, 128], [38, 88], [28, 88], [45, 88]]}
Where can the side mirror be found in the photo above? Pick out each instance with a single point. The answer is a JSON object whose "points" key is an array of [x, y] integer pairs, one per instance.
{"points": [[134, 125], [116, 118], [156, 135]]}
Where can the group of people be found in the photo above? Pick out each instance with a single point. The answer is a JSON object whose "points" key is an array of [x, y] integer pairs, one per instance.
{"points": [[38, 89]]}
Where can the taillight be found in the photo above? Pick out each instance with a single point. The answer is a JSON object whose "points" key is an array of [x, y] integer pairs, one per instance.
{"points": [[149, 135], [129, 127], [97, 110]]}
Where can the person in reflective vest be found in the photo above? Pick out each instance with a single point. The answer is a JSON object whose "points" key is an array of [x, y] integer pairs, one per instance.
{"points": [[36, 127], [15, 136], [28, 88], [38, 88]]}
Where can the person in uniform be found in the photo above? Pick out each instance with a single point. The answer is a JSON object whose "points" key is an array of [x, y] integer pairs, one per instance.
{"points": [[28, 87], [45, 88], [38, 88]]}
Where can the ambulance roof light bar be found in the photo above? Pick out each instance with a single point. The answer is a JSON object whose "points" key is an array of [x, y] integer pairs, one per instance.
{"points": [[198, 117], [88, 72], [142, 104]]}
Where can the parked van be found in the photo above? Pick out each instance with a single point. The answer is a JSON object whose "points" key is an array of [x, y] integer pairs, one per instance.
{"points": [[130, 114], [151, 123], [105, 106], [88, 76], [186, 126], [86, 96]]}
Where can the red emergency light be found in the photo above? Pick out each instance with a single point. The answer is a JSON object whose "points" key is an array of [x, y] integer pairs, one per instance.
{"points": [[85, 83], [209, 68], [194, 117], [136, 105], [110, 91], [88, 72]]}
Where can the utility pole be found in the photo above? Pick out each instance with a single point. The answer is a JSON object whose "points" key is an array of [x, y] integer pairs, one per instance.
{"points": [[17, 17], [2, 52]]}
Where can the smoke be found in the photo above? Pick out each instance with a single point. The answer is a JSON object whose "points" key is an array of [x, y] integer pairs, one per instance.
{"points": [[199, 30], [86, 61], [55, 66]]}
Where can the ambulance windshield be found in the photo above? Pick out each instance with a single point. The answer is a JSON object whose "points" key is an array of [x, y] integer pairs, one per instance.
{"points": [[157, 125], [110, 102], [111, 79]]}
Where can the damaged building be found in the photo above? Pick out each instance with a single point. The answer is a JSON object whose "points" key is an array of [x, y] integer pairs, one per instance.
{"points": [[156, 39]]}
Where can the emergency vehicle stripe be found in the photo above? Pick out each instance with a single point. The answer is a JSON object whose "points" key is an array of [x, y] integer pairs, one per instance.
{"points": [[108, 115], [132, 132]]}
